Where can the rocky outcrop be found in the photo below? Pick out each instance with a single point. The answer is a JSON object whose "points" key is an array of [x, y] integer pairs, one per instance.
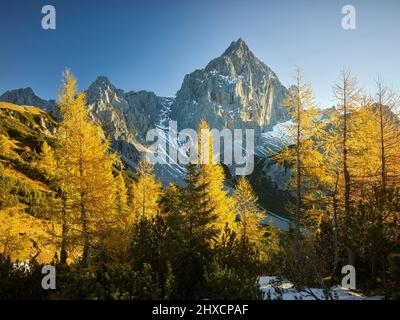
{"points": [[124, 116]]}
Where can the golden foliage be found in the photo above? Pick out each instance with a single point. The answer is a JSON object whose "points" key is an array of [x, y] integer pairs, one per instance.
{"points": [[146, 191], [248, 212], [213, 177]]}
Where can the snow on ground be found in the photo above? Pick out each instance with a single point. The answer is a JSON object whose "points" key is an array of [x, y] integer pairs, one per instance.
{"points": [[271, 286]]}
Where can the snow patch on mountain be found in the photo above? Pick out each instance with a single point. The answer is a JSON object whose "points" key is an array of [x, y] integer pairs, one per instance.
{"points": [[275, 140]]}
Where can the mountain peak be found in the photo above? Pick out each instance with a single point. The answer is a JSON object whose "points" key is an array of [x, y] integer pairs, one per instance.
{"points": [[235, 89], [237, 46], [100, 89], [102, 81], [25, 92], [28, 91], [101, 84]]}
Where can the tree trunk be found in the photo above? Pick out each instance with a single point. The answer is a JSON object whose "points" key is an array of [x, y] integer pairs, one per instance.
{"points": [[382, 138], [84, 219], [298, 182], [85, 233], [350, 253], [373, 270], [336, 225], [63, 251]]}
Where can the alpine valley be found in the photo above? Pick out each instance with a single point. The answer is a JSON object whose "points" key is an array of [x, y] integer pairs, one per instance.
{"points": [[235, 90]]}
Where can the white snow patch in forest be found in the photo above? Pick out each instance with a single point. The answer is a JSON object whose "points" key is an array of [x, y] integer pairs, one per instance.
{"points": [[274, 288]]}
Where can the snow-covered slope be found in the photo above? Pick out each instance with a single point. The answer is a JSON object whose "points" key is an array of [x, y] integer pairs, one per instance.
{"points": [[275, 140]]}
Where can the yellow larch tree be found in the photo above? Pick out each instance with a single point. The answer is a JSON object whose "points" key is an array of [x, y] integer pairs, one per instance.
{"points": [[348, 98], [58, 211], [85, 166], [47, 163], [364, 155], [386, 106], [303, 154], [121, 194], [249, 214], [211, 174], [146, 192]]}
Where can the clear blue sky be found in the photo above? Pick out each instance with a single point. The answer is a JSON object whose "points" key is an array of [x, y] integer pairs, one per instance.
{"points": [[152, 44]]}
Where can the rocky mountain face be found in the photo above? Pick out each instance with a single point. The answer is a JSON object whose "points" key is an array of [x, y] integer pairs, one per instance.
{"points": [[124, 116], [235, 90]]}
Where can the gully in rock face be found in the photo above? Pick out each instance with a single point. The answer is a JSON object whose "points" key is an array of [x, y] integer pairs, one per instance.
{"points": [[182, 147]]}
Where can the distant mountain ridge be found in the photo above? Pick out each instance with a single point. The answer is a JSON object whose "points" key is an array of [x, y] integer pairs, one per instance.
{"points": [[26, 96]]}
